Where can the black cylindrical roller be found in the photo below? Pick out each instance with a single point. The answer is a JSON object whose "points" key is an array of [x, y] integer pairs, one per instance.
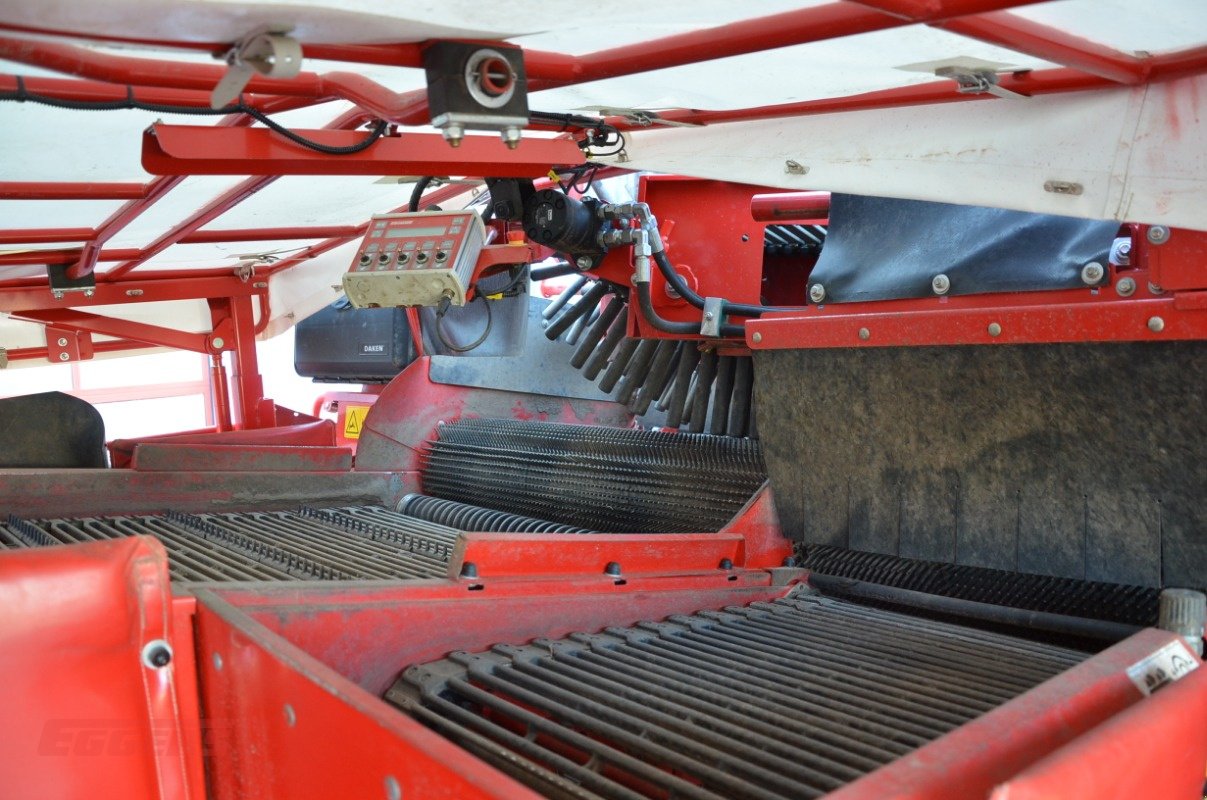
{"points": [[638, 371], [660, 374], [565, 296], [683, 382], [599, 358], [620, 363], [743, 385], [612, 306], [721, 396], [706, 373], [576, 330], [585, 305]]}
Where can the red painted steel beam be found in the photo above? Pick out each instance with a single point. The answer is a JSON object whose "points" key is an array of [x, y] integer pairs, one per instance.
{"points": [[43, 353], [787, 206], [45, 235], [219, 205], [1024, 36], [118, 220], [86, 63], [1032, 318], [190, 286], [198, 150], [85, 322], [829, 21], [49, 190], [217, 236]]}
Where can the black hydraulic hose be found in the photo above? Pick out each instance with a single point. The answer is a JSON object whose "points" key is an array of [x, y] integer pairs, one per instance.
{"points": [[683, 290], [986, 612], [417, 193], [646, 304]]}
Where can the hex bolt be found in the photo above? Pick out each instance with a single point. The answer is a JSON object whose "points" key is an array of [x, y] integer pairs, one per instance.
{"points": [[584, 262], [995, 329], [62, 341], [758, 337], [725, 564], [1156, 324], [613, 569], [218, 342], [789, 561], [817, 293], [57, 294], [156, 654], [1154, 288], [89, 292], [865, 334], [1158, 234], [511, 137], [1126, 287], [1092, 273], [64, 357], [940, 284], [469, 570]]}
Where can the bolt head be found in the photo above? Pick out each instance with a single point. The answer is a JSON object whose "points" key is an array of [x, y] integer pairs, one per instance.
{"points": [[1092, 273], [64, 357], [62, 341], [584, 262], [940, 284], [1158, 234], [1156, 324], [89, 292], [1154, 288], [817, 293], [218, 342], [865, 334], [1126, 287], [708, 315], [995, 329], [57, 294], [758, 337]]}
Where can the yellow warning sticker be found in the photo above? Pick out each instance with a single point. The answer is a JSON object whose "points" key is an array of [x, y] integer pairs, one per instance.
{"points": [[354, 421]]}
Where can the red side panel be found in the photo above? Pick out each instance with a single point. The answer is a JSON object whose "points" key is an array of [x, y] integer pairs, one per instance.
{"points": [[83, 716]]}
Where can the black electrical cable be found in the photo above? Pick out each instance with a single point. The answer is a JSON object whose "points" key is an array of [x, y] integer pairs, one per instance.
{"points": [[440, 312], [417, 193], [22, 95], [727, 307]]}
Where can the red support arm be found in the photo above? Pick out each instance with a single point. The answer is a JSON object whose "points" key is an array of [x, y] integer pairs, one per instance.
{"points": [[84, 322], [42, 190], [200, 150]]}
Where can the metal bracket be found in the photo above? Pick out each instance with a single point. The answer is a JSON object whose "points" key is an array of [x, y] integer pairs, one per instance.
{"points": [[262, 51], [977, 81], [710, 324], [56, 275]]}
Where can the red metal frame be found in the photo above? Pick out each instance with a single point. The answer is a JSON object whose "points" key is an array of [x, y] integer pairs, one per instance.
{"points": [[201, 150], [1152, 313]]}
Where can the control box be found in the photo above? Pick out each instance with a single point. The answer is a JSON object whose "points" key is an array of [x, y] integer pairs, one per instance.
{"points": [[415, 259]]}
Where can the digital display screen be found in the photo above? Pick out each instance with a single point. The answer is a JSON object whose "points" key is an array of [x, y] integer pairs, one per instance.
{"points": [[398, 233]]}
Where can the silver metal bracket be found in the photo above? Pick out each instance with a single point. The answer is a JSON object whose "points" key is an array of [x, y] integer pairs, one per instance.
{"points": [[977, 81], [710, 324]]}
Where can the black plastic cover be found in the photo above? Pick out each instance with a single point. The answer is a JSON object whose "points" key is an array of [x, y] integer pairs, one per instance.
{"points": [[880, 248], [342, 344]]}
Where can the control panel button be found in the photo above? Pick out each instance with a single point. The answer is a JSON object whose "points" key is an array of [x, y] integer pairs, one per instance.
{"points": [[421, 258], [441, 256]]}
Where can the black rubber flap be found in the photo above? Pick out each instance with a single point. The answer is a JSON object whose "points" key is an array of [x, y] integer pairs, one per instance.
{"points": [[1081, 461], [880, 248], [50, 429]]}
